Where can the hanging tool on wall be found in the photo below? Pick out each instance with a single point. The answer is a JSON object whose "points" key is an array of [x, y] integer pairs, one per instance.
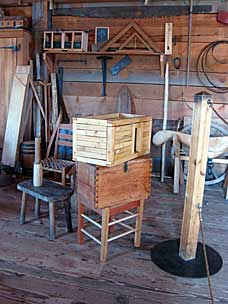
{"points": [[104, 60], [120, 65]]}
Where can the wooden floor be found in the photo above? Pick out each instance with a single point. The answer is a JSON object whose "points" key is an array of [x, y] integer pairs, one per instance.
{"points": [[36, 270]]}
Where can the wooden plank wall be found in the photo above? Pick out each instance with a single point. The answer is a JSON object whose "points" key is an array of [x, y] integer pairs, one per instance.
{"points": [[8, 62], [82, 80]]}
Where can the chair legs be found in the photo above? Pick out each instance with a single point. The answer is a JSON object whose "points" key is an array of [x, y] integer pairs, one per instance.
{"points": [[37, 208], [23, 208], [63, 177], [176, 178], [52, 227], [67, 207]]}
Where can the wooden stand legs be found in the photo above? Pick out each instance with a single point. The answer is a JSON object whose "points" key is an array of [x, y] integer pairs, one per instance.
{"points": [[104, 234], [108, 217], [81, 210], [138, 226]]}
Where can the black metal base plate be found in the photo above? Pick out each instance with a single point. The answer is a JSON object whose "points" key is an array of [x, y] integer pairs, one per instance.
{"points": [[166, 256]]}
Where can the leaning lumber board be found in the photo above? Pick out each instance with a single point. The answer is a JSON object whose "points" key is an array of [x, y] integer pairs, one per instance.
{"points": [[15, 115]]}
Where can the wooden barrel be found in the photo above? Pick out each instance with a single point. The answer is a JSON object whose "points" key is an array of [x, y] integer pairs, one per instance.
{"points": [[27, 155]]}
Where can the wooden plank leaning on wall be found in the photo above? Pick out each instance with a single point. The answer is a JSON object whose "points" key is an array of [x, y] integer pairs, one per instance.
{"points": [[15, 115]]}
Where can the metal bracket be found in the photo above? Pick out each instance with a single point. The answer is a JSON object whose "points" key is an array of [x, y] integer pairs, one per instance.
{"points": [[76, 60], [14, 48], [126, 167]]}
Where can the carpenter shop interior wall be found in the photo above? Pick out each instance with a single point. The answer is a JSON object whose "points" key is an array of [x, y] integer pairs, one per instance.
{"points": [[83, 76]]}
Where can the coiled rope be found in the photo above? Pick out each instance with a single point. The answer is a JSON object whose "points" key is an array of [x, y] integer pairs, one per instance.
{"points": [[202, 64]]}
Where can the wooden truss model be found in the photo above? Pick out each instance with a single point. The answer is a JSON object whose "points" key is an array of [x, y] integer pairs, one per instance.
{"points": [[131, 40]]}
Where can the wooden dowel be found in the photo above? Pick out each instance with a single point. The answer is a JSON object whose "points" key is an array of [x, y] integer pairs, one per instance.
{"points": [[166, 99], [37, 100]]}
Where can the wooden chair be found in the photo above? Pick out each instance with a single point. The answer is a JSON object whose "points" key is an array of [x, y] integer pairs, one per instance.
{"points": [[61, 161]]}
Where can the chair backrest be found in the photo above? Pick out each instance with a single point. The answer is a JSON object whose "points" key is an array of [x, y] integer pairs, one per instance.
{"points": [[64, 142]]}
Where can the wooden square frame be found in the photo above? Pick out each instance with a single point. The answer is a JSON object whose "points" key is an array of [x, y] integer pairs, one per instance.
{"points": [[101, 29]]}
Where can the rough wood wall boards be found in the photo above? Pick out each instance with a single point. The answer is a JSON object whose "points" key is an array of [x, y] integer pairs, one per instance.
{"points": [[142, 75]]}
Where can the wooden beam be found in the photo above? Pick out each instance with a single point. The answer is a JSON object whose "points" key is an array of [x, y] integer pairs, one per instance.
{"points": [[168, 38], [166, 99], [55, 107], [201, 122]]}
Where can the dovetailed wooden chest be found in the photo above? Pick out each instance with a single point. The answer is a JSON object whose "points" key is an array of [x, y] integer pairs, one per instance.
{"points": [[100, 187], [111, 139]]}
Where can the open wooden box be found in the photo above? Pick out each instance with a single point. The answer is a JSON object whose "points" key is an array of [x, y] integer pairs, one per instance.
{"points": [[111, 139], [66, 41]]}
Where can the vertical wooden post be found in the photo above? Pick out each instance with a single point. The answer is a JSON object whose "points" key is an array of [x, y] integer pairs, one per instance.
{"points": [[168, 38], [201, 122], [176, 178], [166, 99], [54, 105]]}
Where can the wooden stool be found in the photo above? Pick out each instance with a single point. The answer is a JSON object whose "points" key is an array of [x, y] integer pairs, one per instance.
{"points": [[108, 221], [51, 193]]}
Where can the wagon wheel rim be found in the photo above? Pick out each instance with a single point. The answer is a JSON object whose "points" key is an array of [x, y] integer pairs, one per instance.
{"points": [[217, 173]]}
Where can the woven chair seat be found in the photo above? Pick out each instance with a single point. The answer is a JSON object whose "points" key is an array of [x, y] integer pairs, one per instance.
{"points": [[56, 164]]}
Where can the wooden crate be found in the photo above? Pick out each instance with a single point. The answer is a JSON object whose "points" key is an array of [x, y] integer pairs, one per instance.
{"points": [[111, 139], [66, 41], [101, 187], [10, 22]]}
